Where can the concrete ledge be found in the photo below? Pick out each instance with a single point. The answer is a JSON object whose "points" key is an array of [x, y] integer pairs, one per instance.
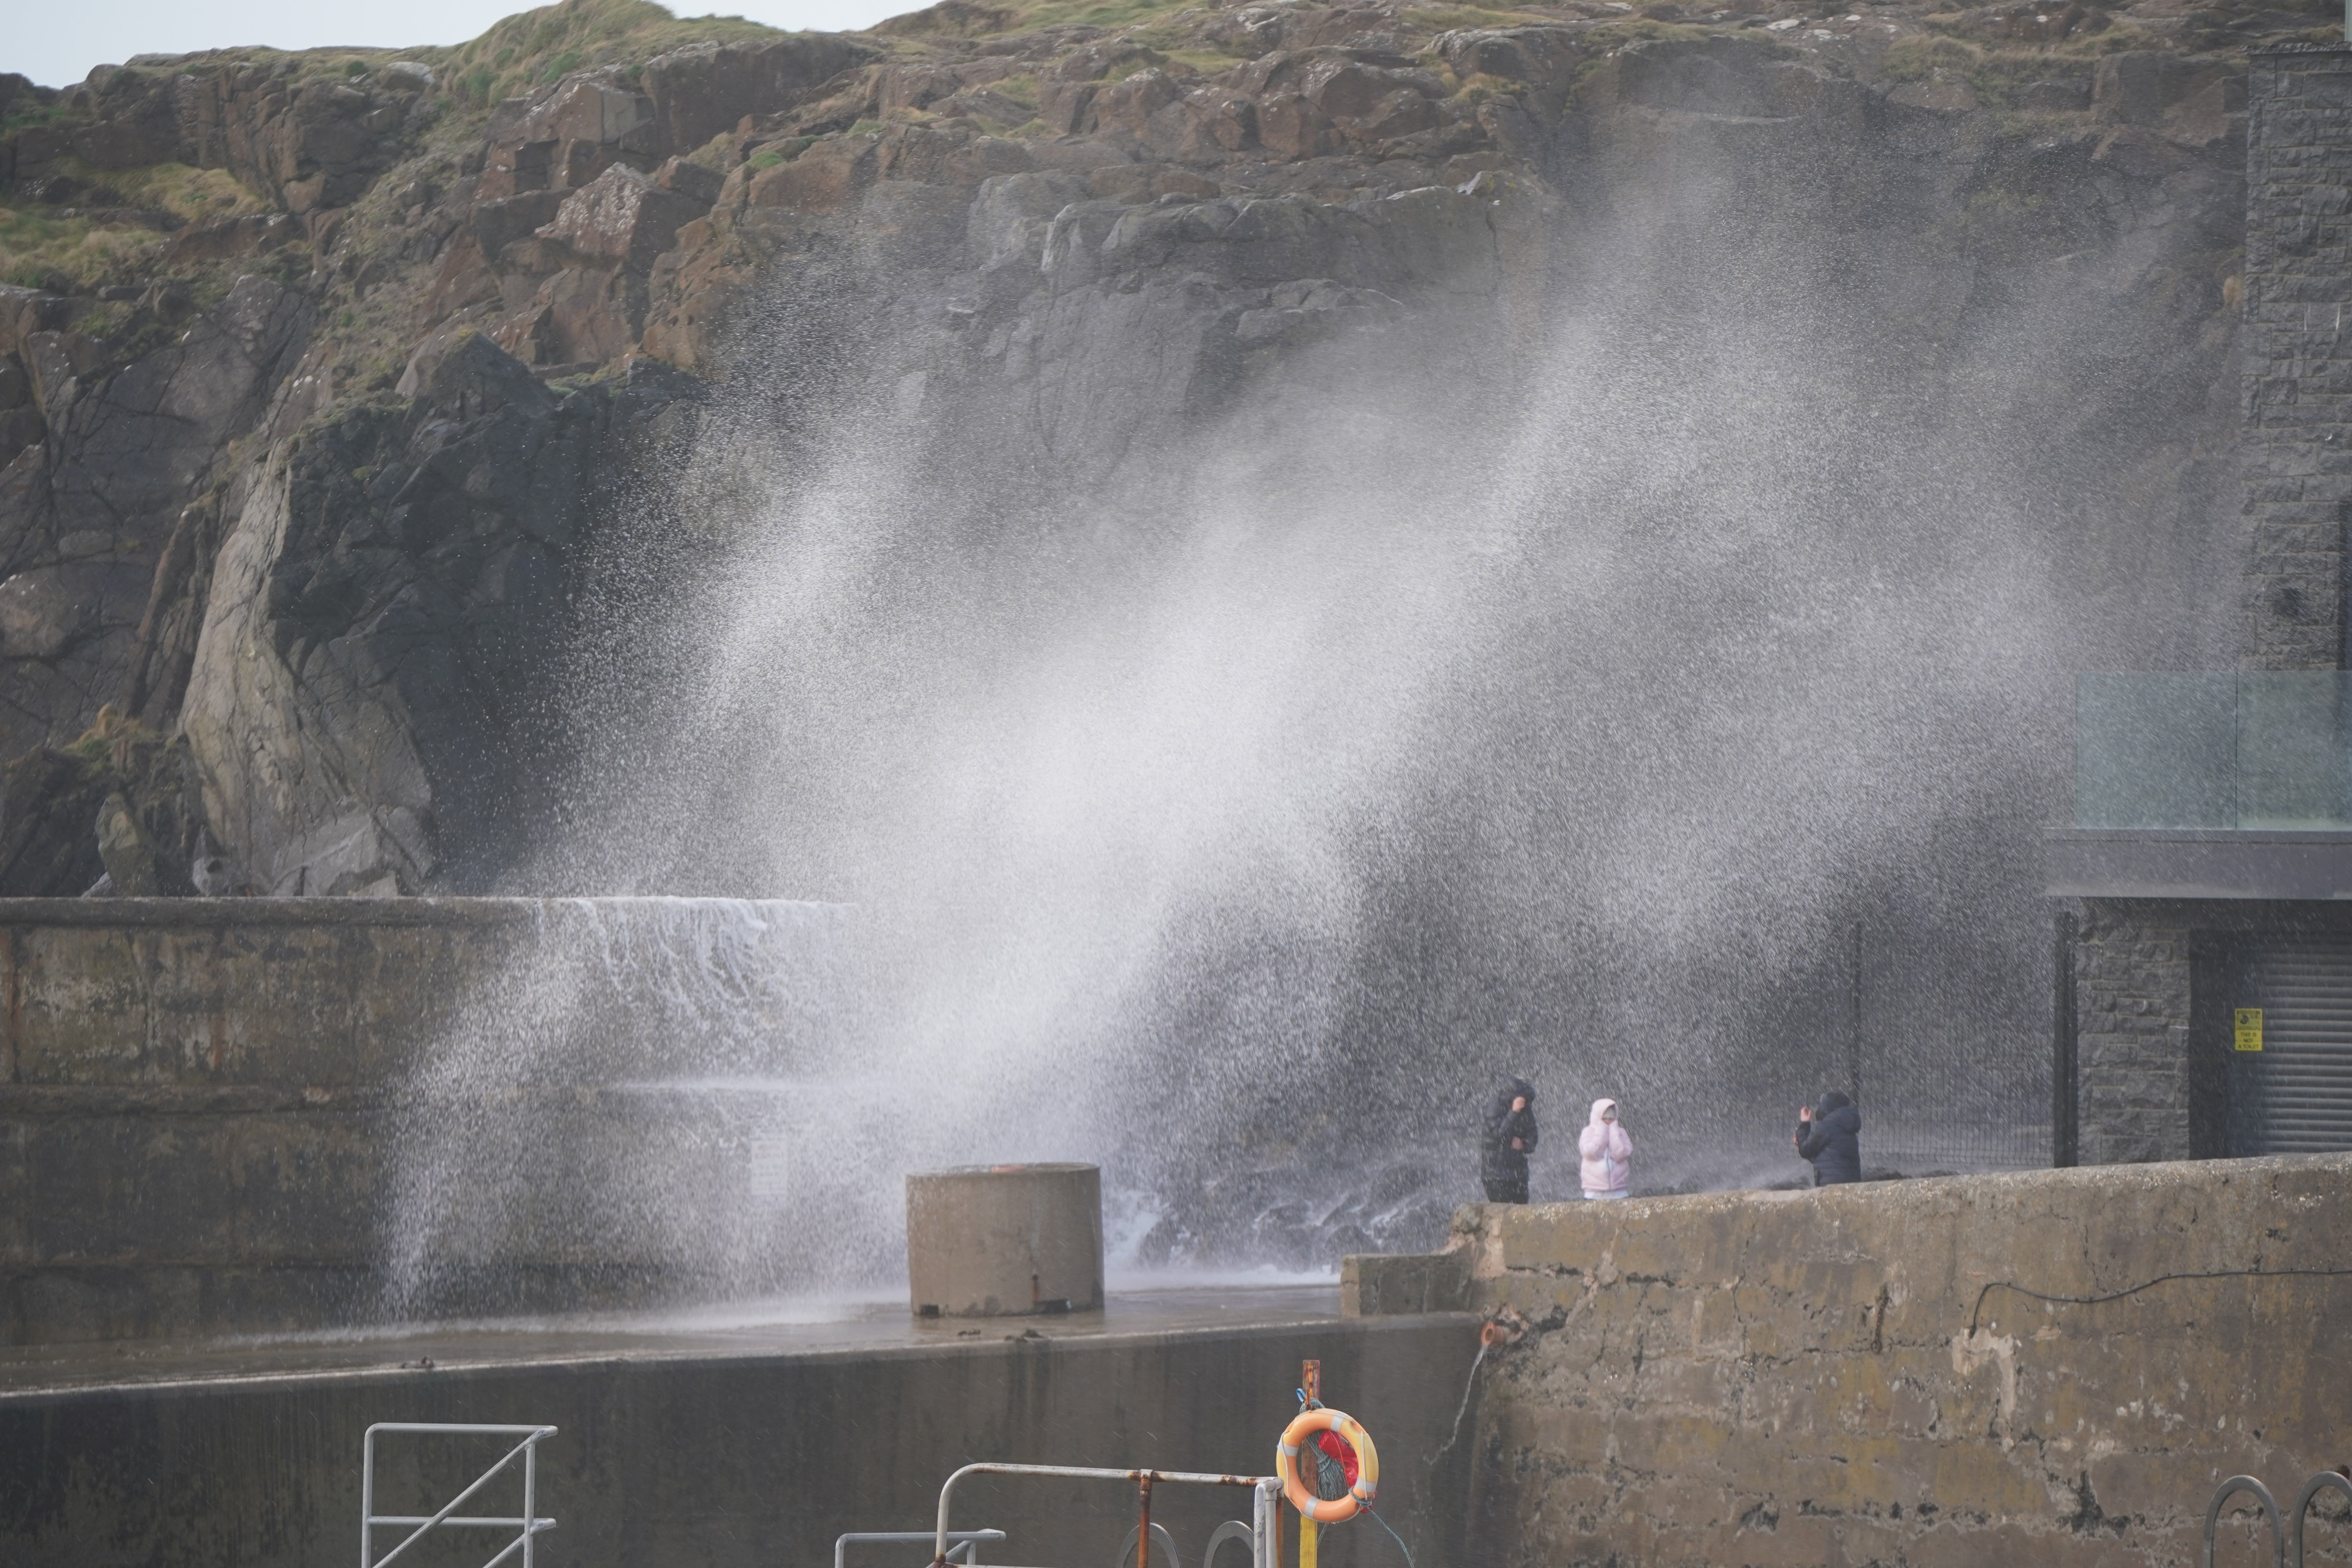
{"points": [[197, 913], [2134, 863], [1378, 1285]]}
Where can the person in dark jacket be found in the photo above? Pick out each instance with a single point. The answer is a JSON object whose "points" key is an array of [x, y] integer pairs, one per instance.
{"points": [[1510, 1138], [1831, 1138]]}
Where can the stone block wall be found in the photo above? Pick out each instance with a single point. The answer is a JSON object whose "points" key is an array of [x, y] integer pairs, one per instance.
{"points": [[2132, 999], [2152, 1005], [2296, 463], [2044, 1368], [205, 1102]]}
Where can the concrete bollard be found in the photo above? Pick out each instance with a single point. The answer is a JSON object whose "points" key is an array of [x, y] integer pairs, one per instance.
{"points": [[1001, 1240]]}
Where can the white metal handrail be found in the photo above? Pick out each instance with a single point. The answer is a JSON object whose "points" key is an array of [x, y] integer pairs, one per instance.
{"points": [[529, 1524], [1267, 1490], [962, 1552]]}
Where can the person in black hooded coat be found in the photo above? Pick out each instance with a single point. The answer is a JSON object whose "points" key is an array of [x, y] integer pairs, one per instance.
{"points": [[1510, 1136], [1831, 1138]]}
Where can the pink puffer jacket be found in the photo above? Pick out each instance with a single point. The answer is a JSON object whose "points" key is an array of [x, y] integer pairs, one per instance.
{"points": [[1608, 1150]]}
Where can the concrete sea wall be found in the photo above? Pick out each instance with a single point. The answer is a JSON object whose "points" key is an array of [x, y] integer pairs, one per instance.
{"points": [[201, 1100], [2055, 1367], [743, 1460]]}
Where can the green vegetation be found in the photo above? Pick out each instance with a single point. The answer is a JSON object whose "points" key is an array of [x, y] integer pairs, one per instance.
{"points": [[1446, 18], [532, 47], [39, 244], [192, 195], [1093, 13], [37, 248]]}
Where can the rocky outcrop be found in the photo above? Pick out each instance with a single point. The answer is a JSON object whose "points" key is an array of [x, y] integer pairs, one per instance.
{"points": [[369, 698], [119, 810], [87, 507], [314, 482]]}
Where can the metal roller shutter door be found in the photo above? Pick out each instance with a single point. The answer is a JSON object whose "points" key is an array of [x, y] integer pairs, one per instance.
{"points": [[2294, 1095]]}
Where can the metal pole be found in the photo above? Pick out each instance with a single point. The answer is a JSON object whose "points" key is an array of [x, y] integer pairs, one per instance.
{"points": [[2065, 1113], [367, 1464], [1143, 1521], [1853, 1022], [529, 1496]]}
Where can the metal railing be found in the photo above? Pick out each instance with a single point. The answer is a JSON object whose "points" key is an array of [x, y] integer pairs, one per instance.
{"points": [[1266, 1494], [966, 1551], [2284, 1542], [528, 1525]]}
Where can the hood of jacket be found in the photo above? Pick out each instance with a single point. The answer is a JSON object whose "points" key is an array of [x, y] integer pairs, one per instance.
{"points": [[1598, 1107], [1512, 1090], [1840, 1112]]}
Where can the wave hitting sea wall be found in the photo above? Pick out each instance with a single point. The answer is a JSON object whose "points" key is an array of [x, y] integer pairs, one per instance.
{"points": [[271, 1115]]}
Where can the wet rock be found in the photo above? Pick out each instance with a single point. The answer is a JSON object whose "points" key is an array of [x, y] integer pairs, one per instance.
{"points": [[48, 802], [368, 699]]}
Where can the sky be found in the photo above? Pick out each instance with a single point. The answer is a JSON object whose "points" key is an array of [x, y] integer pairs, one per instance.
{"points": [[58, 44]]}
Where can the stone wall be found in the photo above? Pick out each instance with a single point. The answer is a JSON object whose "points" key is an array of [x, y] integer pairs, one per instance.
{"points": [[1871, 1373], [202, 1100], [2298, 374], [2152, 1017], [2132, 1001]]}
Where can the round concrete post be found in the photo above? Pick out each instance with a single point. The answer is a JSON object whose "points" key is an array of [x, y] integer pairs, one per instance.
{"points": [[991, 1240]]}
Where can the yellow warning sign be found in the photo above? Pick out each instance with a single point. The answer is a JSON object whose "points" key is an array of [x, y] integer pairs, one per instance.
{"points": [[2250, 1028]]}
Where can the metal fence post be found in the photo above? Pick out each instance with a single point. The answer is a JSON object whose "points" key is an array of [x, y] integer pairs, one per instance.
{"points": [[2065, 1128]]}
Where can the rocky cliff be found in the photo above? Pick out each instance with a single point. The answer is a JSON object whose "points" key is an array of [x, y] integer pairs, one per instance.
{"points": [[328, 380]]}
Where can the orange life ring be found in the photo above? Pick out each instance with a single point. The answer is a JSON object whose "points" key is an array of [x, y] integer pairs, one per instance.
{"points": [[1350, 1431]]}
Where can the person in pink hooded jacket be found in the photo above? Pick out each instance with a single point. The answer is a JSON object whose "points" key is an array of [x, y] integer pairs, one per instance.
{"points": [[1608, 1150]]}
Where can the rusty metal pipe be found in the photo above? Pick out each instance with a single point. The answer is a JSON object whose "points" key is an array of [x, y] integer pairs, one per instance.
{"points": [[1145, 1480]]}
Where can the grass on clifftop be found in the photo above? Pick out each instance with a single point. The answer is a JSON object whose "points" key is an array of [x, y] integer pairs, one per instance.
{"points": [[531, 49], [40, 243]]}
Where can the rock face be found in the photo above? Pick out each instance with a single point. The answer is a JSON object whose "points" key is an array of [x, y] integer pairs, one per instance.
{"points": [[318, 477], [367, 702], [88, 507]]}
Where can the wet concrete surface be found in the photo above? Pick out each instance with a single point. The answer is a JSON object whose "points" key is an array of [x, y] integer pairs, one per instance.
{"points": [[853, 1327], [745, 1440]]}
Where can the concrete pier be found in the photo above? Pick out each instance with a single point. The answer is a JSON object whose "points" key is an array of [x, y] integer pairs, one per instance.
{"points": [[751, 1445]]}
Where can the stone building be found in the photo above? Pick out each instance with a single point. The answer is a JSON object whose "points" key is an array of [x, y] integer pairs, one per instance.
{"points": [[2204, 978]]}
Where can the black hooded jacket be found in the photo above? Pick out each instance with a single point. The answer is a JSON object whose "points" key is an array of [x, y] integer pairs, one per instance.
{"points": [[1831, 1140], [1498, 1162]]}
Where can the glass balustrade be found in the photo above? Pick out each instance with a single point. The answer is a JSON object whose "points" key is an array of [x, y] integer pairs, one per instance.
{"points": [[2270, 750]]}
